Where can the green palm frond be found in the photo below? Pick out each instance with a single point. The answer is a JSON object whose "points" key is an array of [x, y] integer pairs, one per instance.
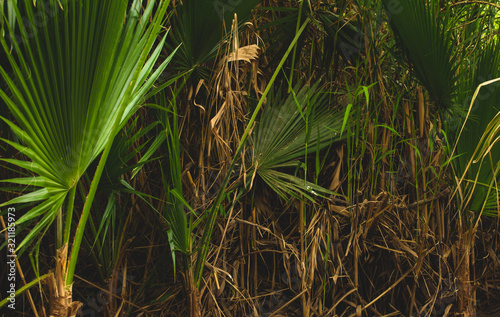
{"points": [[79, 71], [7, 10], [425, 37], [345, 35], [480, 130], [175, 215], [126, 146], [290, 128], [175, 211], [480, 171]]}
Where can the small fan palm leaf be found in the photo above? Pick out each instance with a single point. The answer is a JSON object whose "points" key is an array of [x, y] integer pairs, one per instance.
{"points": [[291, 128]]}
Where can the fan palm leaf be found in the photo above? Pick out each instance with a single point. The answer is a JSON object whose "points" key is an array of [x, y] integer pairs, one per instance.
{"points": [[79, 71], [290, 128], [425, 36], [344, 35], [478, 151], [426, 39]]}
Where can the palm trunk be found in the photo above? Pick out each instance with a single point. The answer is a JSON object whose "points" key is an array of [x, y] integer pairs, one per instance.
{"points": [[193, 294], [61, 298]]}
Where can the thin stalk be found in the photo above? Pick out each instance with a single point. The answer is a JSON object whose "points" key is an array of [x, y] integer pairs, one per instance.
{"points": [[254, 255], [69, 213], [193, 293], [325, 273], [295, 46], [75, 249], [465, 304], [59, 228], [303, 266]]}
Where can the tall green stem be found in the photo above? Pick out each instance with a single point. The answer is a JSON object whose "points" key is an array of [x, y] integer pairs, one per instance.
{"points": [[69, 213], [295, 46], [86, 212]]}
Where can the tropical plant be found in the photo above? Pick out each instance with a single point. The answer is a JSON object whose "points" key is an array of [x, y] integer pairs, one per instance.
{"points": [[80, 70], [174, 210], [425, 35], [481, 113], [291, 128], [105, 236], [301, 156]]}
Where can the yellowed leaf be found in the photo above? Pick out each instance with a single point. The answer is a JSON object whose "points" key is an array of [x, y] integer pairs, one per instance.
{"points": [[245, 53]]}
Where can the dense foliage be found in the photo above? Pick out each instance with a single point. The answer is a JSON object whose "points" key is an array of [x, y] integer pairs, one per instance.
{"points": [[251, 158]]}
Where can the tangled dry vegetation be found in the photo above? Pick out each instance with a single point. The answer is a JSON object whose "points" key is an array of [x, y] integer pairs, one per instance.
{"points": [[386, 241]]}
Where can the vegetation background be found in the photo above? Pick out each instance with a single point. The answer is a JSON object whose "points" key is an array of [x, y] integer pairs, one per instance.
{"points": [[251, 158]]}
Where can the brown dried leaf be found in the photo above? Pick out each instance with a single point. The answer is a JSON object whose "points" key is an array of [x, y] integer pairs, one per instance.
{"points": [[245, 53]]}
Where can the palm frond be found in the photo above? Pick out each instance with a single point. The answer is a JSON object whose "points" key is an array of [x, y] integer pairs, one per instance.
{"points": [[76, 79], [425, 37], [481, 129], [291, 128]]}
